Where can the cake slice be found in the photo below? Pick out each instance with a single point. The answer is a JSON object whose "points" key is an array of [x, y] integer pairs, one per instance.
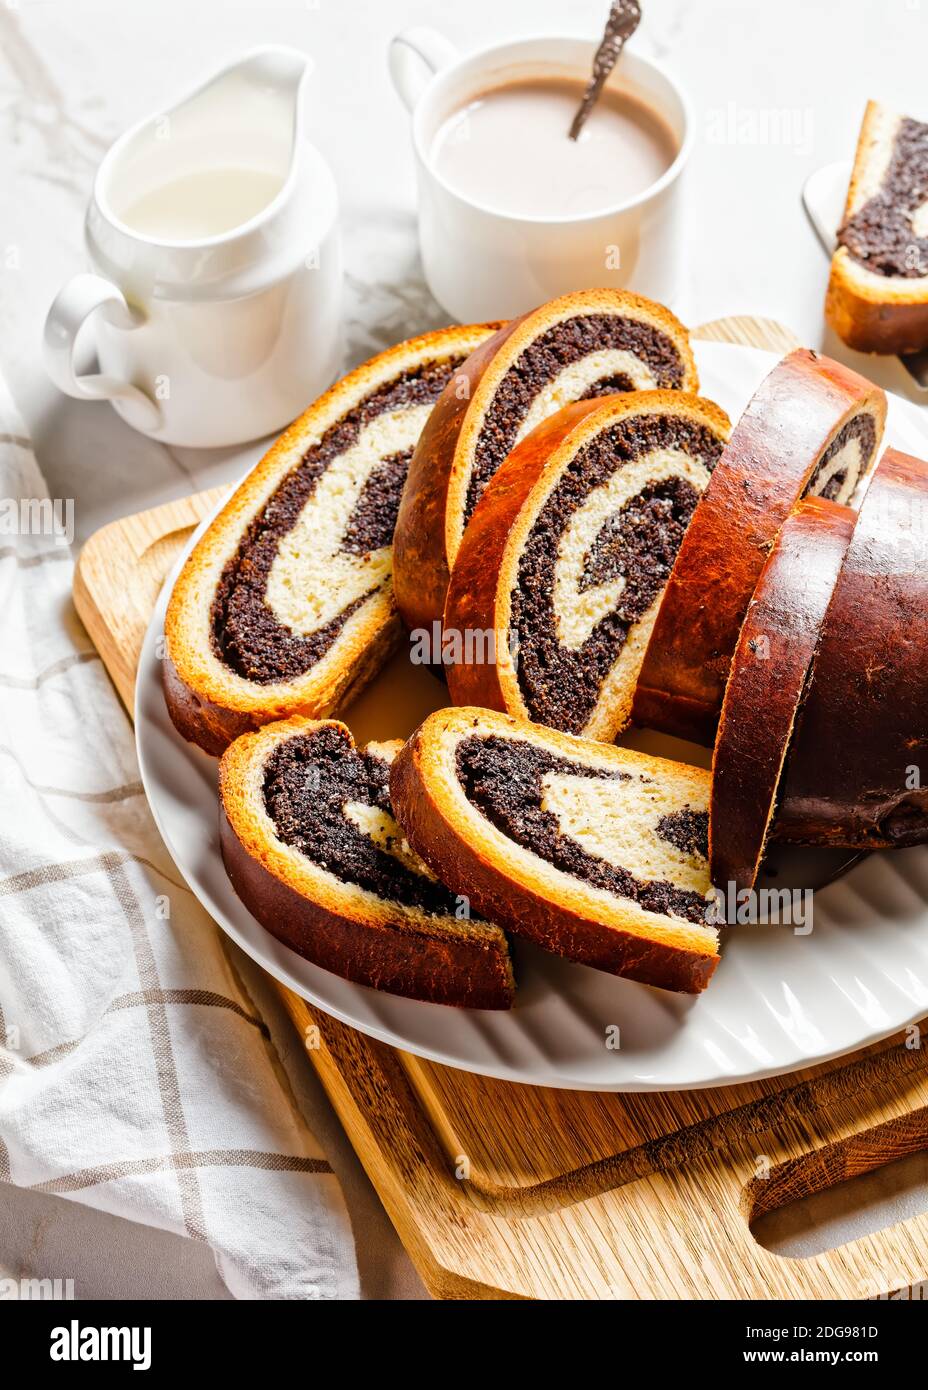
{"points": [[285, 605], [858, 768], [877, 297], [590, 343], [311, 846], [558, 578], [769, 675], [812, 427], [591, 851]]}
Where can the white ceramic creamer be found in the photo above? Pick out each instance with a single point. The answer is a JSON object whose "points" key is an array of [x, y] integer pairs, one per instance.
{"points": [[215, 301]]}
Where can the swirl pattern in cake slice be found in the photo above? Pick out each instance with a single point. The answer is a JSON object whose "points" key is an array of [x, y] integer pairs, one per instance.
{"points": [[285, 605], [877, 298], [813, 427], [587, 344], [558, 578], [311, 846], [593, 852]]}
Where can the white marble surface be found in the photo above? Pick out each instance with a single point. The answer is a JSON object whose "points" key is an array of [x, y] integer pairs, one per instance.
{"points": [[73, 74]]}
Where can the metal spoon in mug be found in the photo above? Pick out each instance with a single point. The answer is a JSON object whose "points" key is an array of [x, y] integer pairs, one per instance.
{"points": [[624, 18]]}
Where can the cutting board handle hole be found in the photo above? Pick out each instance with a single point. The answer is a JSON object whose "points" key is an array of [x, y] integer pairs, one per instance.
{"points": [[858, 1186]]}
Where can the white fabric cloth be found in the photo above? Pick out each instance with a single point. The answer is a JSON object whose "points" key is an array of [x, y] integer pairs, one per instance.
{"points": [[136, 1074]]}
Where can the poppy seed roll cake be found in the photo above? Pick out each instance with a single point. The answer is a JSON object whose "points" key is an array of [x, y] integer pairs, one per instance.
{"points": [[770, 672], [285, 605], [813, 427], [567, 553], [877, 298], [313, 850], [593, 852], [857, 774], [580, 346]]}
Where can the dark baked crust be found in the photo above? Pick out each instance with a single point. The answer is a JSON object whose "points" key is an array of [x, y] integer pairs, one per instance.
{"points": [[864, 724], [438, 971], [421, 567], [769, 671], [198, 719], [765, 469]]}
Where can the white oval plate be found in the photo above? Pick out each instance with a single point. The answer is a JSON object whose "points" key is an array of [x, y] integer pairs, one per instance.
{"points": [[778, 1001]]}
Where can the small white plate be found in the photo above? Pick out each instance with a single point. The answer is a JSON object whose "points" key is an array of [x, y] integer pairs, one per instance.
{"points": [[824, 195], [778, 1001]]}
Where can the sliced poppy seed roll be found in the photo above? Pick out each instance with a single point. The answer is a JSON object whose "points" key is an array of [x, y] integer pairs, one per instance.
{"points": [[285, 605], [567, 554], [813, 427], [311, 846], [592, 851], [590, 343]]}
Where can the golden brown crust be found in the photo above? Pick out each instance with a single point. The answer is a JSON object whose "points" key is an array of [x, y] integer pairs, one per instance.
{"points": [[372, 942], [871, 312], [212, 727], [769, 672], [484, 572], [208, 701], [856, 770], [866, 318], [772, 454], [573, 921], [428, 527], [421, 563]]}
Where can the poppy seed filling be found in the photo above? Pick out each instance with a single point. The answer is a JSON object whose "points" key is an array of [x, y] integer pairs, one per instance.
{"points": [[245, 633], [861, 427], [308, 782], [880, 234], [503, 779], [639, 543], [560, 345]]}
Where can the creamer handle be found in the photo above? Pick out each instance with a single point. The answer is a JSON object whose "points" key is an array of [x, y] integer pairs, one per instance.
{"points": [[75, 302]]}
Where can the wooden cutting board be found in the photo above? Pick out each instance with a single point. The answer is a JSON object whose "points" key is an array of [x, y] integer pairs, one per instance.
{"points": [[509, 1191]]}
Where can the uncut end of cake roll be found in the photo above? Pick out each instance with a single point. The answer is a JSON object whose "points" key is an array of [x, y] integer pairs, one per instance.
{"points": [[285, 605], [813, 427], [877, 299], [558, 578], [769, 678], [590, 343], [311, 846], [857, 774], [593, 852]]}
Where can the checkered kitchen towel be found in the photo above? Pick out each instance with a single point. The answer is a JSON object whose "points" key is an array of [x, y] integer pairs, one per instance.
{"points": [[135, 1073]]}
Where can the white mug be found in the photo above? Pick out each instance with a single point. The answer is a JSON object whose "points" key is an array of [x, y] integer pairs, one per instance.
{"points": [[222, 338], [482, 264]]}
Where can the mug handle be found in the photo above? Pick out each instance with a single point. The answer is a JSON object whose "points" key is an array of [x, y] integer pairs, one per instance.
{"points": [[72, 307], [431, 49]]}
